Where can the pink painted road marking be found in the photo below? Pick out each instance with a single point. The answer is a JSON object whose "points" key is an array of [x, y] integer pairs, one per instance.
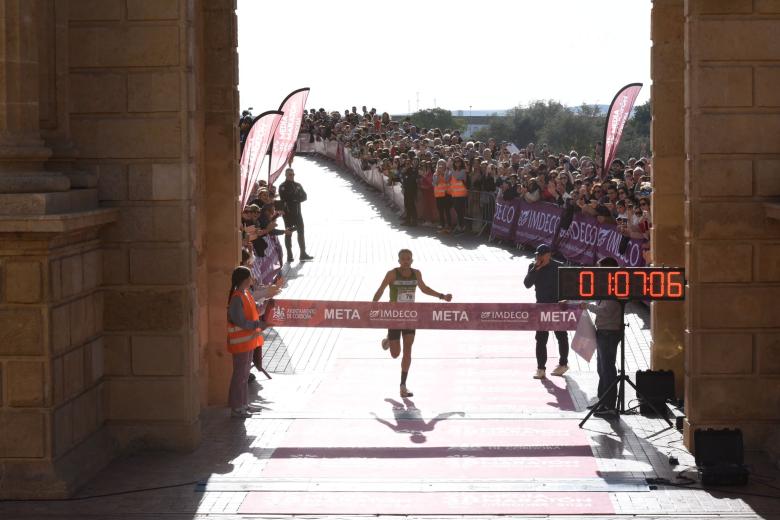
{"points": [[443, 503]]}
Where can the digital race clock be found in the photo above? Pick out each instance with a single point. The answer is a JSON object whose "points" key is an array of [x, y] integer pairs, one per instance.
{"points": [[621, 283]]}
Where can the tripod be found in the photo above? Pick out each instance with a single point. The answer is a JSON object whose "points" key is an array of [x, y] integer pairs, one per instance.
{"points": [[621, 378]]}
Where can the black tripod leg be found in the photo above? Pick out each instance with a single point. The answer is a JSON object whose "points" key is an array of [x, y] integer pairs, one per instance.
{"points": [[652, 407], [600, 401]]}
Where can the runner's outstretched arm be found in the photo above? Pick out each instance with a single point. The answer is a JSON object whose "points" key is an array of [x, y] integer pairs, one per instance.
{"points": [[387, 281], [430, 292], [385, 422]]}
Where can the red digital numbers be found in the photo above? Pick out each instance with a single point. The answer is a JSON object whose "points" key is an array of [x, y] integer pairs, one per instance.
{"points": [[618, 284], [622, 283], [587, 287], [674, 284], [656, 286]]}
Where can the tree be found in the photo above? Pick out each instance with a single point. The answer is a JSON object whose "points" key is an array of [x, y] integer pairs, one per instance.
{"points": [[564, 128], [573, 130], [437, 118], [521, 125]]}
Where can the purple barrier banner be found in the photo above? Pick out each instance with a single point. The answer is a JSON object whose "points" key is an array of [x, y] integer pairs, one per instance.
{"points": [[609, 244], [267, 267], [578, 243], [451, 316], [537, 223], [505, 218]]}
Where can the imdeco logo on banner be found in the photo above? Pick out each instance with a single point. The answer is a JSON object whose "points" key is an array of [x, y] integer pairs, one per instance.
{"points": [[392, 314], [505, 316]]}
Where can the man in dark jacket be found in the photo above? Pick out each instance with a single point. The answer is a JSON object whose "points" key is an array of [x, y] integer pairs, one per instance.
{"points": [[543, 276], [609, 330], [292, 194], [409, 180]]}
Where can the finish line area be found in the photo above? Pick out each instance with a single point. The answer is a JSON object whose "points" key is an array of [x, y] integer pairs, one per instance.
{"points": [[480, 435]]}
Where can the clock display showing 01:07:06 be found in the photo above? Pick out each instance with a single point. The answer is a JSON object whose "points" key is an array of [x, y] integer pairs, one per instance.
{"points": [[624, 284], [646, 283]]}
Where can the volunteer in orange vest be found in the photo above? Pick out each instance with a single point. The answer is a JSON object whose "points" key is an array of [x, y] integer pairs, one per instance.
{"points": [[441, 193], [458, 191], [245, 334]]}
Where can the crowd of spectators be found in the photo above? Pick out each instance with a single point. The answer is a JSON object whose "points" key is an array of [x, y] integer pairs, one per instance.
{"points": [[415, 157]]}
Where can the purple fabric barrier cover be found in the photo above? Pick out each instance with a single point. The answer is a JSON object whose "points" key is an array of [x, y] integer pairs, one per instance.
{"points": [[609, 245], [452, 316], [537, 223], [505, 218], [578, 243], [267, 267]]}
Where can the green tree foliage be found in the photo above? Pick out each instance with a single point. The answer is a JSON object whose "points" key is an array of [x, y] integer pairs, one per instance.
{"points": [[565, 128], [437, 118]]}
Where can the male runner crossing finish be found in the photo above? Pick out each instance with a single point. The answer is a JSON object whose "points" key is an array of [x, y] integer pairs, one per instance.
{"points": [[403, 282]]}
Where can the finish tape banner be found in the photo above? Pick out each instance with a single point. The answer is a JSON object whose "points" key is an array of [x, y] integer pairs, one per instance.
{"points": [[448, 316]]}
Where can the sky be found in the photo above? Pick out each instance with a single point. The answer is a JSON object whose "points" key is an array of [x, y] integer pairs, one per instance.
{"points": [[407, 55]]}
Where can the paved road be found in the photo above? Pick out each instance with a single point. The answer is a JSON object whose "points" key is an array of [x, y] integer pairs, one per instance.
{"points": [[480, 436]]}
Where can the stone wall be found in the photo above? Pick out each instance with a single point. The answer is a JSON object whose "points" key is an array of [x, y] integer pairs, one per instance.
{"points": [[732, 250], [219, 238], [668, 173], [133, 99]]}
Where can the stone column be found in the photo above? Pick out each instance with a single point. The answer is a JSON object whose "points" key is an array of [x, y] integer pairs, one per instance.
{"points": [[51, 312], [732, 58], [26, 187], [220, 196], [22, 152], [668, 173]]}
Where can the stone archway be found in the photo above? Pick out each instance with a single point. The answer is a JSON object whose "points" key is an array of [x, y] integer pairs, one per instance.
{"points": [[114, 276]]}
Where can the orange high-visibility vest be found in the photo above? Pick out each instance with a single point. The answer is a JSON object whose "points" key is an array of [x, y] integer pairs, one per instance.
{"points": [[244, 340], [440, 188], [457, 188]]}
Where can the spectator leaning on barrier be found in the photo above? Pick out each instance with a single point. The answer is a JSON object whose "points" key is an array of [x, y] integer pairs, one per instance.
{"points": [[543, 277], [441, 192], [458, 191]]}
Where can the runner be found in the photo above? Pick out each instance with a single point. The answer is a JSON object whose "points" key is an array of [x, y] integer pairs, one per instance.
{"points": [[403, 282]]}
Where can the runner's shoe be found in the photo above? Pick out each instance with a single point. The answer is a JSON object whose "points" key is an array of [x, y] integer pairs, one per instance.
{"points": [[560, 370], [539, 373], [405, 392], [385, 343]]}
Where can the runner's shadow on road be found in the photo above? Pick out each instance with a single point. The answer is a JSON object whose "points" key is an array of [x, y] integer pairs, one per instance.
{"points": [[409, 419]]}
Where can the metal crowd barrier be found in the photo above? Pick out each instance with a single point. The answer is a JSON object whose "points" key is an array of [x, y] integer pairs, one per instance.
{"points": [[480, 209]]}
